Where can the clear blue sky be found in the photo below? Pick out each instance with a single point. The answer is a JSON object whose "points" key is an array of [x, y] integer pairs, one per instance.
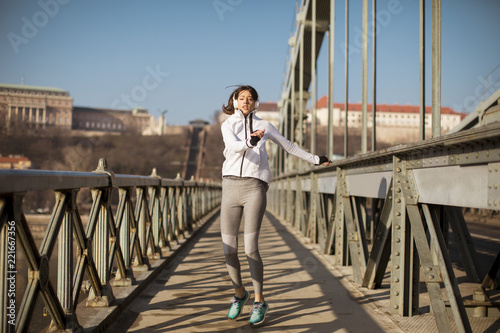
{"points": [[180, 55]]}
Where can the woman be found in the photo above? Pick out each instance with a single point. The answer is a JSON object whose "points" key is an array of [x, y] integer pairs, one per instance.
{"points": [[246, 178]]}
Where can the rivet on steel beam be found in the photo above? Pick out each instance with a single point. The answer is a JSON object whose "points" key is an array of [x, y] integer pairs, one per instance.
{"points": [[398, 169], [398, 213], [398, 227], [397, 253], [398, 190], [396, 306], [398, 240], [490, 186], [396, 293], [396, 280], [429, 268], [431, 277], [396, 266], [398, 200]]}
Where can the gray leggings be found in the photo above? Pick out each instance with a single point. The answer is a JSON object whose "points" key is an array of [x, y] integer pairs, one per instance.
{"points": [[243, 197]]}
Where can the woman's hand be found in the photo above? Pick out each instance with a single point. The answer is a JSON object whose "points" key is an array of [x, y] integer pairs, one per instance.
{"points": [[324, 160], [258, 133], [256, 136]]}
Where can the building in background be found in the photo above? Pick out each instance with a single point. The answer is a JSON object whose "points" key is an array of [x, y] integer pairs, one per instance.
{"points": [[14, 162], [388, 115], [38, 107], [45, 107], [137, 120]]}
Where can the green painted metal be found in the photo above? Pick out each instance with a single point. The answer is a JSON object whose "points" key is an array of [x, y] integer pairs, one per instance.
{"points": [[164, 210]]}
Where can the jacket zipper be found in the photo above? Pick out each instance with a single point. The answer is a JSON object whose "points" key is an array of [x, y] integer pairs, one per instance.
{"points": [[243, 158]]}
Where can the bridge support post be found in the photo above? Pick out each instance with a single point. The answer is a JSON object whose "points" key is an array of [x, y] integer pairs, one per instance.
{"points": [[311, 231], [100, 233], [432, 255], [65, 266], [124, 216], [404, 270], [381, 249]]}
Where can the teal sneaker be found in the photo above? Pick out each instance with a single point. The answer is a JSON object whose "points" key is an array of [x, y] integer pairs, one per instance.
{"points": [[258, 313], [237, 306]]}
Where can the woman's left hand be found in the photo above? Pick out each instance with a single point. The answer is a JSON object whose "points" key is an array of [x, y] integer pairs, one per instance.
{"points": [[324, 160]]}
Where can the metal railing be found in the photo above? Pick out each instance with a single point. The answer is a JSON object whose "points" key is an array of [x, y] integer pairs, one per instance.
{"points": [[164, 211], [403, 199]]}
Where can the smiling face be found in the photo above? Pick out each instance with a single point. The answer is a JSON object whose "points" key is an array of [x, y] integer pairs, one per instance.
{"points": [[246, 103]]}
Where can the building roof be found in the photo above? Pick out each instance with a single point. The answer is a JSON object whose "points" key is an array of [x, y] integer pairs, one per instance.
{"points": [[26, 87], [13, 159], [268, 106], [323, 103]]}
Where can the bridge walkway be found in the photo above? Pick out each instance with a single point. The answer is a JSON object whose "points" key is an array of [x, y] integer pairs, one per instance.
{"points": [[305, 292]]}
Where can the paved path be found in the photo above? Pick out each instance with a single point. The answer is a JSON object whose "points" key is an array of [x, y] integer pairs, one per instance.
{"points": [[303, 293]]}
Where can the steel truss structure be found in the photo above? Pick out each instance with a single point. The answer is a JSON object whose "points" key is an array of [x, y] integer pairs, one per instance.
{"points": [[417, 192], [405, 198], [162, 212]]}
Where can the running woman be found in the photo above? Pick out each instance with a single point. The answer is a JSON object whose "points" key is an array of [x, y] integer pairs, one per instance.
{"points": [[246, 178]]}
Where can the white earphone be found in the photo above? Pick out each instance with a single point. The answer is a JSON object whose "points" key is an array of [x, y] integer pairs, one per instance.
{"points": [[235, 104]]}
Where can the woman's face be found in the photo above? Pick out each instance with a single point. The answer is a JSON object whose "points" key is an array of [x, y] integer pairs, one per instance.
{"points": [[246, 103]]}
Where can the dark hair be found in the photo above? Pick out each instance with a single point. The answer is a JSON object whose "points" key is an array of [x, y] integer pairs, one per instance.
{"points": [[229, 109]]}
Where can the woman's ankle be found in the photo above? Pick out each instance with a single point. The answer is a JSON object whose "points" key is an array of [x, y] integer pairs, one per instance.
{"points": [[240, 293]]}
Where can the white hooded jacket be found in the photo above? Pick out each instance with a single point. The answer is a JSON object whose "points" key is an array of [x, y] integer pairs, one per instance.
{"points": [[245, 160]]}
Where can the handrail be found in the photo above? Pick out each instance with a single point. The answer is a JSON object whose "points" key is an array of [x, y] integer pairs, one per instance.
{"points": [[392, 197], [125, 240]]}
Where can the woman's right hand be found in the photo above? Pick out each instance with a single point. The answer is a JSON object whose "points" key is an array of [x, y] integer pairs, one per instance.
{"points": [[258, 133], [256, 136]]}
